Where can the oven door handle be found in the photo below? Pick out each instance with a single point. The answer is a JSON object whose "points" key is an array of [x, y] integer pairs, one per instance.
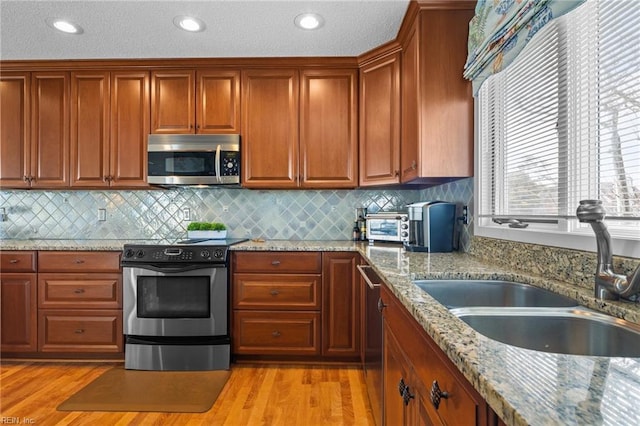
{"points": [[175, 269]]}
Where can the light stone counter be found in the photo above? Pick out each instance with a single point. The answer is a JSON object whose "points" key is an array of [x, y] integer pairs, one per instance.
{"points": [[522, 386]]}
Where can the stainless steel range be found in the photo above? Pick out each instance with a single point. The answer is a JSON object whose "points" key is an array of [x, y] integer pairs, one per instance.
{"points": [[176, 306]]}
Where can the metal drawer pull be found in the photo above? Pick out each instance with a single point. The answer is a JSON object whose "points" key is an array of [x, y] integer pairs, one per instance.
{"points": [[79, 331], [274, 292], [437, 394], [275, 262], [401, 386], [14, 261], [363, 271], [78, 290], [276, 333], [78, 261], [405, 393], [381, 304]]}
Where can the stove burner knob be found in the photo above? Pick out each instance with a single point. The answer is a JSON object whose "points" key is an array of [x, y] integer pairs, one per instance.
{"points": [[128, 253], [140, 253], [205, 254], [218, 254]]}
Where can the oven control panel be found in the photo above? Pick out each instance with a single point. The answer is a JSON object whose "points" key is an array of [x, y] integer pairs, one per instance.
{"points": [[172, 254]]}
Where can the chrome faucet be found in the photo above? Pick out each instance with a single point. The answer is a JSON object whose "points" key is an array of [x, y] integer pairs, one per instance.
{"points": [[609, 285]]}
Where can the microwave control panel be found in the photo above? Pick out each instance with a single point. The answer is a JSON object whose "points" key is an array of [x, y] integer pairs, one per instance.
{"points": [[230, 163]]}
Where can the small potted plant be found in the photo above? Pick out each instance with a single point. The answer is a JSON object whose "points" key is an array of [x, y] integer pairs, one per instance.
{"points": [[213, 230]]}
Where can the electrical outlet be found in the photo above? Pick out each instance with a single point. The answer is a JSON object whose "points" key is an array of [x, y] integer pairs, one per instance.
{"points": [[465, 215], [102, 215], [225, 208], [186, 214]]}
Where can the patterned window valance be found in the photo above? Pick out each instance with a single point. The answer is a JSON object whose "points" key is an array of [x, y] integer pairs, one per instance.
{"points": [[501, 28]]}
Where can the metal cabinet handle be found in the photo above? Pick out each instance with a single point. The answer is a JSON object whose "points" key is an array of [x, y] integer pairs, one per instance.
{"points": [[275, 262], [79, 331], [274, 292], [381, 304], [78, 290], [276, 333], [78, 261], [405, 392], [371, 284], [437, 394], [14, 261]]}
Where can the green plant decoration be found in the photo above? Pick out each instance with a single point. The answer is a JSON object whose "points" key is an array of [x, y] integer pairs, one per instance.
{"points": [[206, 226]]}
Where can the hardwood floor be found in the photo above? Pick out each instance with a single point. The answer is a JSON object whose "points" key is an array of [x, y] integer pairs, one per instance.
{"points": [[267, 395]]}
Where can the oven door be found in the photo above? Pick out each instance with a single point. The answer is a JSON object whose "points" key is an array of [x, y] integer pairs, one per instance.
{"points": [[159, 302]]}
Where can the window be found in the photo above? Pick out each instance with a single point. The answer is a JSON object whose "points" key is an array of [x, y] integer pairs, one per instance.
{"points": [[562, 124]]}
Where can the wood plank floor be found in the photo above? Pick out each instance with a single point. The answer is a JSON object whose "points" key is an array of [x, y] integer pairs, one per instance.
{"points": [[254, 395]]}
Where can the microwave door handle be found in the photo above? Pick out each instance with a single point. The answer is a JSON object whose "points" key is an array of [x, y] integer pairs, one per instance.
{"points": [[218, 163]]}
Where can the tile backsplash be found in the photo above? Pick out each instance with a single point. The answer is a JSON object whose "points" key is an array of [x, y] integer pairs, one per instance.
{"points": [[159, 214]]}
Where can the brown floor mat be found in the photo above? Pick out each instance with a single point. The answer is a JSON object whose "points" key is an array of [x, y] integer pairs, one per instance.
{"points": [[159, 391]]}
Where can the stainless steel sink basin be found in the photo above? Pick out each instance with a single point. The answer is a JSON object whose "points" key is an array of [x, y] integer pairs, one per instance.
{"points": [[467, 293], [558, 330]]}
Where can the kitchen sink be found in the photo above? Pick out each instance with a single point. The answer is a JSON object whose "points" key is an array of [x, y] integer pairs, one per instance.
{"points": [[468, 293], [576, 331]]}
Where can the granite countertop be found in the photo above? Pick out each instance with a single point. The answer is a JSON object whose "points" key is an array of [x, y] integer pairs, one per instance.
{"points": [[522, 386]]}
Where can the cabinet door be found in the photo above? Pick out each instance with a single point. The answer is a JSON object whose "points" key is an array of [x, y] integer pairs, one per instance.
{"points": [[15, 97], [172, 101], [49, 129], [90, 128], [340, 305], [380, 121], [18, 330], [410, 98], [270, 128], [218, 101], [328, 129], [395, 372], [129, 128]]}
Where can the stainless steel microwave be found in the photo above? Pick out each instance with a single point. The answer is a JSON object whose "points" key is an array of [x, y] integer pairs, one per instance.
{"points": [[388, 226], [193, 159]]}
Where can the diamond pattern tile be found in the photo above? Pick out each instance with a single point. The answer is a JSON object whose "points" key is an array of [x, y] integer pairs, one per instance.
{"points": [[151, 214]]}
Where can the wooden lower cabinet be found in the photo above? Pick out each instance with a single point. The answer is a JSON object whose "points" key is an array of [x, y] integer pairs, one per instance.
{"points": [[296, 304], [340, 305], [78, 330], [415, 370], [79, 304], [18, 302]]}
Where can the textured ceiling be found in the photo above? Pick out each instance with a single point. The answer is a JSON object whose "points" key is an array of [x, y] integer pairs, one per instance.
{"points": [[144, 29]]}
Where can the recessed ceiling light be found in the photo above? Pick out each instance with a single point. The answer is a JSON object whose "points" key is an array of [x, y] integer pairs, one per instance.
{"points": [[64, 26], [309, 21], [189, 23]]}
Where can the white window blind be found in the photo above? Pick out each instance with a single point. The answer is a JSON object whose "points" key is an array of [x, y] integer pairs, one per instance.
{"points": [[562, 124]]}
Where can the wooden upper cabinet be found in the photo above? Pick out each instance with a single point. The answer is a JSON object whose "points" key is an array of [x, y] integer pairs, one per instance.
{"points": [[90, 128], [15, 148], [437, 102], [189, 101], [380, 121], [49, 129], [270, 128], [218, 101], [109, 127], [130, 122], [328, 129]]}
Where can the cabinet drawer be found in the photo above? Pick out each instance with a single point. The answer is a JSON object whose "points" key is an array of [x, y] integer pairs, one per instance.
{"points": [[102, 291], [18, 261], [282, 333], [276, 291], [278, 262], [80, 331], [78, 261]]}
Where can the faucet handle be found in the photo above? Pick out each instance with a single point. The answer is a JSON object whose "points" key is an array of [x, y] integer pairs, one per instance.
{"points": [[590, 211]]}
